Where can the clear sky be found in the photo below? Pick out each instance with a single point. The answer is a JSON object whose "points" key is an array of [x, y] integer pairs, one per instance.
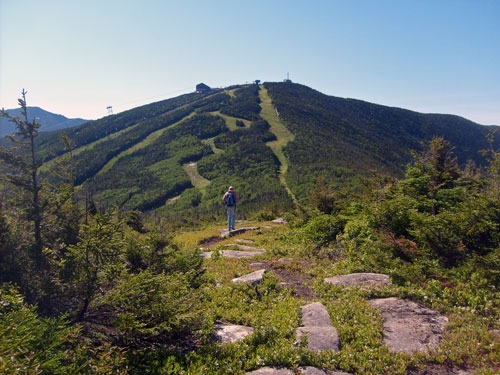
{"points": [[77, 57]]}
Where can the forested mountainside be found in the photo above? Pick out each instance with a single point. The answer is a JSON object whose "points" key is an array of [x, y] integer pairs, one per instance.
{"points": [[340, 138], [179, 155]]}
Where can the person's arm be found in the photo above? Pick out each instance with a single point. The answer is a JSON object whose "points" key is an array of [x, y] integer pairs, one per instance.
{"points": [[235, 196]]}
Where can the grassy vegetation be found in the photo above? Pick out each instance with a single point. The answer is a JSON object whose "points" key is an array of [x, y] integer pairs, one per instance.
{"points": [[196, 179], [211, 143], [283, 136], [231, 121]]}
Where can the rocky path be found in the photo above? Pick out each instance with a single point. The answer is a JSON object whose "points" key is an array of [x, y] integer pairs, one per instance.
{"points": [[408, 327]]}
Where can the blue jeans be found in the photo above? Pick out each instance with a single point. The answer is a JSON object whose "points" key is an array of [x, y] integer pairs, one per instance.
{"points": [[231, 217]]}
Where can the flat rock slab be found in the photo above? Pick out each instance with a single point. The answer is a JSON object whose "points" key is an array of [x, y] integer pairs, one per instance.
{"points": [[315, 315], [243, 247], [320, 338], [233, 254], [226, 333], [317, 326], [308, 370], [359, 279], [271, 371], [302, 370], [240, 240], [408, 326], [226, 233], [251, 278]]}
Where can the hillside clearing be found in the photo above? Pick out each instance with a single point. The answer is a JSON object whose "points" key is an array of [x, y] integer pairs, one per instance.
{"points": [[144, 143], [231, 121], [198, 180], [283, 135], [210, 142]]}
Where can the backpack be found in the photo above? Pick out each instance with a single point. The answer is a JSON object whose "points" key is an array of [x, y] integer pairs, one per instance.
{"points": [[229, 199]]}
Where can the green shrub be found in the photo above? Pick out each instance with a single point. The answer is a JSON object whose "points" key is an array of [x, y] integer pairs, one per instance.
{"points": [[324, 229], [153, 305]]}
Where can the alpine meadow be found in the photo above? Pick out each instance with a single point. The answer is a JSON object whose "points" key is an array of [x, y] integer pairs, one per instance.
{"points": [[367, 239]]}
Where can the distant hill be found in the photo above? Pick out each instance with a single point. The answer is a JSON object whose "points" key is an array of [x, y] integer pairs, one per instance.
{"points": [[50, 121], [272, 142]]}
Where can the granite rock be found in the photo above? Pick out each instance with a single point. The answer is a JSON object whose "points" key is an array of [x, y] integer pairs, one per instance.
{"points": [[408, 326], [227, 333], [251, 278], [359, 279]]}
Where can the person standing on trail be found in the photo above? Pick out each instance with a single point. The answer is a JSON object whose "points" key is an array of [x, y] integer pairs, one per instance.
{"points": [[230, 198]]}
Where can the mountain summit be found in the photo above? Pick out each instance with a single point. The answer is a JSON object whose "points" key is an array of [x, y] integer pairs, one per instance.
{"points": [[272, 142]]}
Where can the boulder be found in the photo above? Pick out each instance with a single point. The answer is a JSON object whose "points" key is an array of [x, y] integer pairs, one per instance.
{"points": [[270, 371], [408, 326], [359, 279], [251, 278], [226, 333]]}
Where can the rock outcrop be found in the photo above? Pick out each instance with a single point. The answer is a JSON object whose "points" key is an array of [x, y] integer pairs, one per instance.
{"points": [[317, 326], [227, 333], [251, 278], [359, 279], [226, 233], [408, 326], [271, 371], [308, 370], [244, 247], [233, 254]]}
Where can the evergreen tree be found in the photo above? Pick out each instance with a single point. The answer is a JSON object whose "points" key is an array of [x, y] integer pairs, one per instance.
{"points": [[22, 169]]}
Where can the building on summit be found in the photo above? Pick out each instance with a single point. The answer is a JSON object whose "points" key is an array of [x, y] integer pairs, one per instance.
{"points": [[201, 88]]}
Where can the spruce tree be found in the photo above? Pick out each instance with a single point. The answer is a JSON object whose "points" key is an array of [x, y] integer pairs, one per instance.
{"points": [[21, 171]]}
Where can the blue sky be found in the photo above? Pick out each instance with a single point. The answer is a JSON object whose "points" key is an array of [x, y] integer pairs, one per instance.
{"points": [[78, 57]]}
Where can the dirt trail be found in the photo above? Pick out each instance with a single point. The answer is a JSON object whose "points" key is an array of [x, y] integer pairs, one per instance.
{"points": [[297, 281]]}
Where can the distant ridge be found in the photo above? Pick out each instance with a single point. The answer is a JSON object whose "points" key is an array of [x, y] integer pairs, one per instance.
{"points": [[50, 121]]}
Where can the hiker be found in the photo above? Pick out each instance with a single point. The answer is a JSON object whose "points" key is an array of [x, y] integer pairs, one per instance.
{"points": [[230, 198]]}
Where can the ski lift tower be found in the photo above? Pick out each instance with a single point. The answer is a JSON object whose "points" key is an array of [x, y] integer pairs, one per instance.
{"points": [[110, 109]]}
